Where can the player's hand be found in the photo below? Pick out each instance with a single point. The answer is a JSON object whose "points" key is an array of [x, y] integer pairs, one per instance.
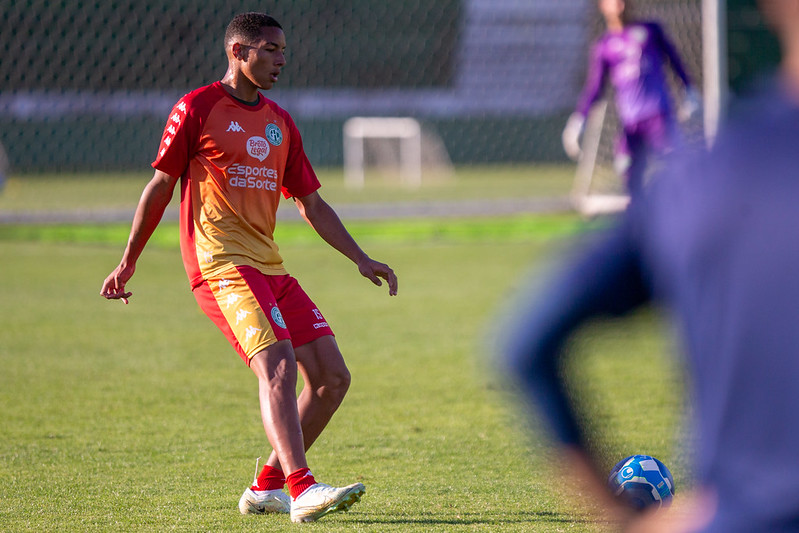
{"points": [[571, 135], [690, 105], [374, 270], [114, 284]]}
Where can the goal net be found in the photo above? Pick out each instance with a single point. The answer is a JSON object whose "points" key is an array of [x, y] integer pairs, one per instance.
{"points": [[393, 148], [598, 187]]}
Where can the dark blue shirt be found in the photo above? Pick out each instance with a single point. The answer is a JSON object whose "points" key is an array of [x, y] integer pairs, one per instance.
{"points": [[716, 239]]}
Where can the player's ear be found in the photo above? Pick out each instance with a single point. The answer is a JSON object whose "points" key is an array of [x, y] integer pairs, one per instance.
{"points": [[238, 51]]}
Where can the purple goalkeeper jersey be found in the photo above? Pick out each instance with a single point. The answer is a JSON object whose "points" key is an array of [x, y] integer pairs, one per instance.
{"points": [[714, 239], [632, 60]]}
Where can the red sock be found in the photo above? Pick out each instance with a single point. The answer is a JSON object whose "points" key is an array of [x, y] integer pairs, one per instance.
{"points": [[299, 481], [270, 478]]}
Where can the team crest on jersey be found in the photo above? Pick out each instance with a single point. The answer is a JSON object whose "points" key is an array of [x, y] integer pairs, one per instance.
{"points": [[258, 147], [274, 135], [278, 318]]}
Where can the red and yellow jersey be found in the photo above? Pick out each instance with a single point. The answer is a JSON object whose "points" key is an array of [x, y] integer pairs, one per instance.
{"points": [[234, 161]]}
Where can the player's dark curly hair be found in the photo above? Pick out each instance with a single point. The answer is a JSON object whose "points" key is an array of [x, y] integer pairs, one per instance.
{"points": [[247, 27]]}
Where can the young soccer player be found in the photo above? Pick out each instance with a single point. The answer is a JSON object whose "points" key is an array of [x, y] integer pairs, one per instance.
{"points": [[631, 56], [235, 152], [711, 239]]}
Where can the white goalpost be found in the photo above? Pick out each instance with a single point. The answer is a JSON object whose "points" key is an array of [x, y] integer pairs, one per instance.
{"points": [[398, 149], [714, 63], [406, 131]]}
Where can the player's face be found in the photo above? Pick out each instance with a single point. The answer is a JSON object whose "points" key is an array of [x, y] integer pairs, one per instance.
{"points": [[262, 60], [612, 9]]}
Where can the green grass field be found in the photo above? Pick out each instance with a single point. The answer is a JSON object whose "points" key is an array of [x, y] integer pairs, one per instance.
{"points": [[142, 418]]}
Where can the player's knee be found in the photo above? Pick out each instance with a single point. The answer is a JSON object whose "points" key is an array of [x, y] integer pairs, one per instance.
{"points": [[338, 383], [333, 386]]}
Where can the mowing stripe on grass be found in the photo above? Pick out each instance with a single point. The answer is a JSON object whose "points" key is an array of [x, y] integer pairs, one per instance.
{"points": [[496, 229]]}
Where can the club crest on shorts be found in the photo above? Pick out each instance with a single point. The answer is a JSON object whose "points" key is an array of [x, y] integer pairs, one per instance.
{"points": [[274, 135], [278, 318]]}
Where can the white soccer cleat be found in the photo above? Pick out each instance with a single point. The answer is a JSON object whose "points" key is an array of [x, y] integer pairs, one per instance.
{"points": [[320, 499], [264, 501]]}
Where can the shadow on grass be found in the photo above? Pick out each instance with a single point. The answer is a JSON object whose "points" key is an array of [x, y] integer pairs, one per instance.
{"points": [[471, 519]]}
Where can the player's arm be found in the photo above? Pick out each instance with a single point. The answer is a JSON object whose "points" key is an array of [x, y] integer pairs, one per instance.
{"points": [[594, 83], [152, 204], [691, 101], [670, 52], [605, 279], [324, 220]]}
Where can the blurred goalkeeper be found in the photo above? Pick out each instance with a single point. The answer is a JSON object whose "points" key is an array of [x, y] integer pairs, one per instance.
{"points": [[713, 240], [631, 56], [235, 153]]}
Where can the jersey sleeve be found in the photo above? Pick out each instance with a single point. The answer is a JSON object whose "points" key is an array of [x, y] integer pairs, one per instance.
{"points": [[178, 140], [604, 280], [595, 80], [670, 51], [300, 179]]}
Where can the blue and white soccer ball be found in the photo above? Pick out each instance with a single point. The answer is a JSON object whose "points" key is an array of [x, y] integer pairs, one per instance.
{"points": [[642, 481]]}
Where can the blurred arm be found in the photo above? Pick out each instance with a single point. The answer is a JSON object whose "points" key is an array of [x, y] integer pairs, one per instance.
{"points": [[594, 81], [670, 51], [605, 279], [691, 101]]}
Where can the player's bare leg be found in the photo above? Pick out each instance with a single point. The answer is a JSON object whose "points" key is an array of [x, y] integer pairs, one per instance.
{"points": [[276, 369], [327, 380]]}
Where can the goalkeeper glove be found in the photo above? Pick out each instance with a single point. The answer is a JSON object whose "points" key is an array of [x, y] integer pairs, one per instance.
{"points": [[571, 135], [690, 104]]}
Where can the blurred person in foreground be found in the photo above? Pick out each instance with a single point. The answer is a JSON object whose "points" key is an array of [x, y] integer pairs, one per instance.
{"points": [[713, 239], [632, 57], [235, 152]]}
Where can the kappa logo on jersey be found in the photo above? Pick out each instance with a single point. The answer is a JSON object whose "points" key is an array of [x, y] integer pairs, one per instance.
{"points": [[234, 126], [182, 107], [274, 135], [223, 284], [258, 147]]}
